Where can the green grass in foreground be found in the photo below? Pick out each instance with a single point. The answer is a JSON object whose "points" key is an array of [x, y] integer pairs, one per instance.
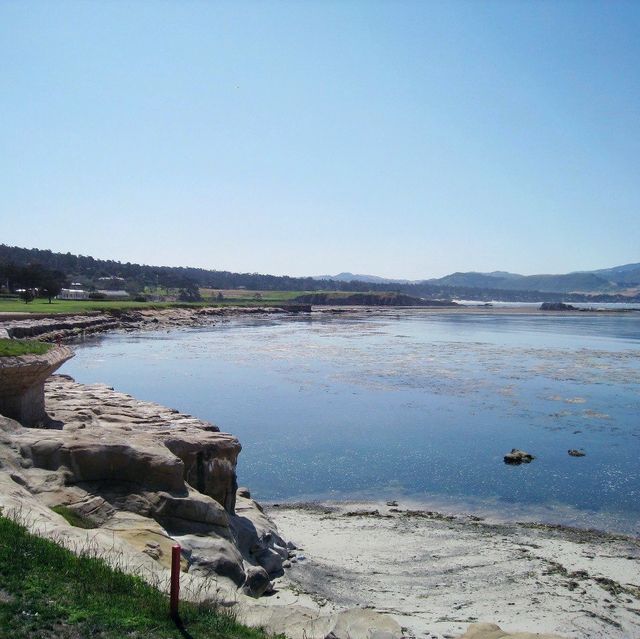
{"points": [[47, 592], [15, 347]]}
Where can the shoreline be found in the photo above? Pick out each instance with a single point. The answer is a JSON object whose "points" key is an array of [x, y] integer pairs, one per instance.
{"points": [[433, 572], [69, 326], [436, 573], [558, 516]]}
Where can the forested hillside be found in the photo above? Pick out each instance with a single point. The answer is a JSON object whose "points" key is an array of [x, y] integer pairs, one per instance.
{"points": [[87, 271]]}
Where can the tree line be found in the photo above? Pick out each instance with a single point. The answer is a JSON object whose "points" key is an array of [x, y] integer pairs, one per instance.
{"points": [[32, 280], [138, 276]]}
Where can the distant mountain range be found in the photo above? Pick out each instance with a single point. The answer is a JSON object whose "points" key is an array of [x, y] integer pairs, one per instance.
{"points": [[616, 280], [356, 277]]}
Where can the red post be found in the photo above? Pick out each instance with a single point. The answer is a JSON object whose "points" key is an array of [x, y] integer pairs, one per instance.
{"points": [[175, 580]]}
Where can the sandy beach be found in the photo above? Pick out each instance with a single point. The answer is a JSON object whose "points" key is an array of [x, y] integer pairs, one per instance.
{"points": [[436, 574]]}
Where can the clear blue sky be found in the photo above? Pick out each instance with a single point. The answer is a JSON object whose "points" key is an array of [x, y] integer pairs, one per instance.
{"points": [[403, 139]]}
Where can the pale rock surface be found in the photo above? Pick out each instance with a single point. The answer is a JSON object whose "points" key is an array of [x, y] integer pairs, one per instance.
{"points": [[491, 631], [22, 384], [147, 474], [148, 477]]}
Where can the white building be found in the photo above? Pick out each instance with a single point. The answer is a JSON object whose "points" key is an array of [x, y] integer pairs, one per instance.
{"points": [[72, 294]]}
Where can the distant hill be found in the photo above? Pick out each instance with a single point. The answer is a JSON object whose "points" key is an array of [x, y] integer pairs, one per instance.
{"points": [[569, 283], [353, 277], [612, 280], [628, 274], [616, 284]]}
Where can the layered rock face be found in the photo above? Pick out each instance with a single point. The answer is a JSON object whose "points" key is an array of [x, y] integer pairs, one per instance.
{"points": [[143, 477], [149, 475], [50, 328], [22, 384], [62, 326]]}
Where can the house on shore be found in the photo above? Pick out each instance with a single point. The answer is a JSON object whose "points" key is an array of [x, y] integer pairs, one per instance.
{"points": [[72, 294]]}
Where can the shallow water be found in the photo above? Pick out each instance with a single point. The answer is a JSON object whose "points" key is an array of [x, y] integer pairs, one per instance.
{"points": [[409, 405]]}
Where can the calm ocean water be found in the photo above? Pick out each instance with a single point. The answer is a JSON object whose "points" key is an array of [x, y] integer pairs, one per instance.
{"points": [[409, 405]]}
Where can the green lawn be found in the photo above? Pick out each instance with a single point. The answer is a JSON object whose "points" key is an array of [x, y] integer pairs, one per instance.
{"points": [[8, 305], [47, 592], [231, 298], [15, 347]]}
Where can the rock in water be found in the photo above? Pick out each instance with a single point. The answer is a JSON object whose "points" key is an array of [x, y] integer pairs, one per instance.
{"points": [[557, 306], [517, 456], [576, 453]]}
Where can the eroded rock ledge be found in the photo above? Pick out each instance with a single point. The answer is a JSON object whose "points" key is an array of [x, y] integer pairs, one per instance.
{"points": [[148, 474], [68, 326], [22, 384], [142, 477]]}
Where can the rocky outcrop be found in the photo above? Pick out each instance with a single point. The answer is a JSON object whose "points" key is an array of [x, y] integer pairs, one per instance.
{"points": [[142, 477], [299, 622], [52, 327], [22, 384], [491, 631], [557, 306], [57, 327], [146, 473]]}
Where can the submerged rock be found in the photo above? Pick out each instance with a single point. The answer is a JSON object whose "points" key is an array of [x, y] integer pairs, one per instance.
{"points": [[517, 456]]}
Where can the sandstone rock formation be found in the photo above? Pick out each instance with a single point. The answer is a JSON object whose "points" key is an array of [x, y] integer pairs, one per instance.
{"points": [[22, 384], [69, 326], [146, 473], [50, 328], [142, 477], [491, 631]]}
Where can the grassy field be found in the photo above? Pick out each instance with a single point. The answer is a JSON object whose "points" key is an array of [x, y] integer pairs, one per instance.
{"points": [[230, 298], [47, 592], [8, 305], [15, 347]]}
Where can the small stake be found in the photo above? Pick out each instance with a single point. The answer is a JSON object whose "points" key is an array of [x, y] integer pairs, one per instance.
{"points": [[175, 580]]}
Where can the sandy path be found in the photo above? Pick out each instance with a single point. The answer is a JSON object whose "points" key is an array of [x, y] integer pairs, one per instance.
{"points": [[436, 574]]}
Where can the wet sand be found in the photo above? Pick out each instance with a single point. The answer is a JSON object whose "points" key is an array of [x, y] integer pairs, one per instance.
{"points": [[436, 574]]}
